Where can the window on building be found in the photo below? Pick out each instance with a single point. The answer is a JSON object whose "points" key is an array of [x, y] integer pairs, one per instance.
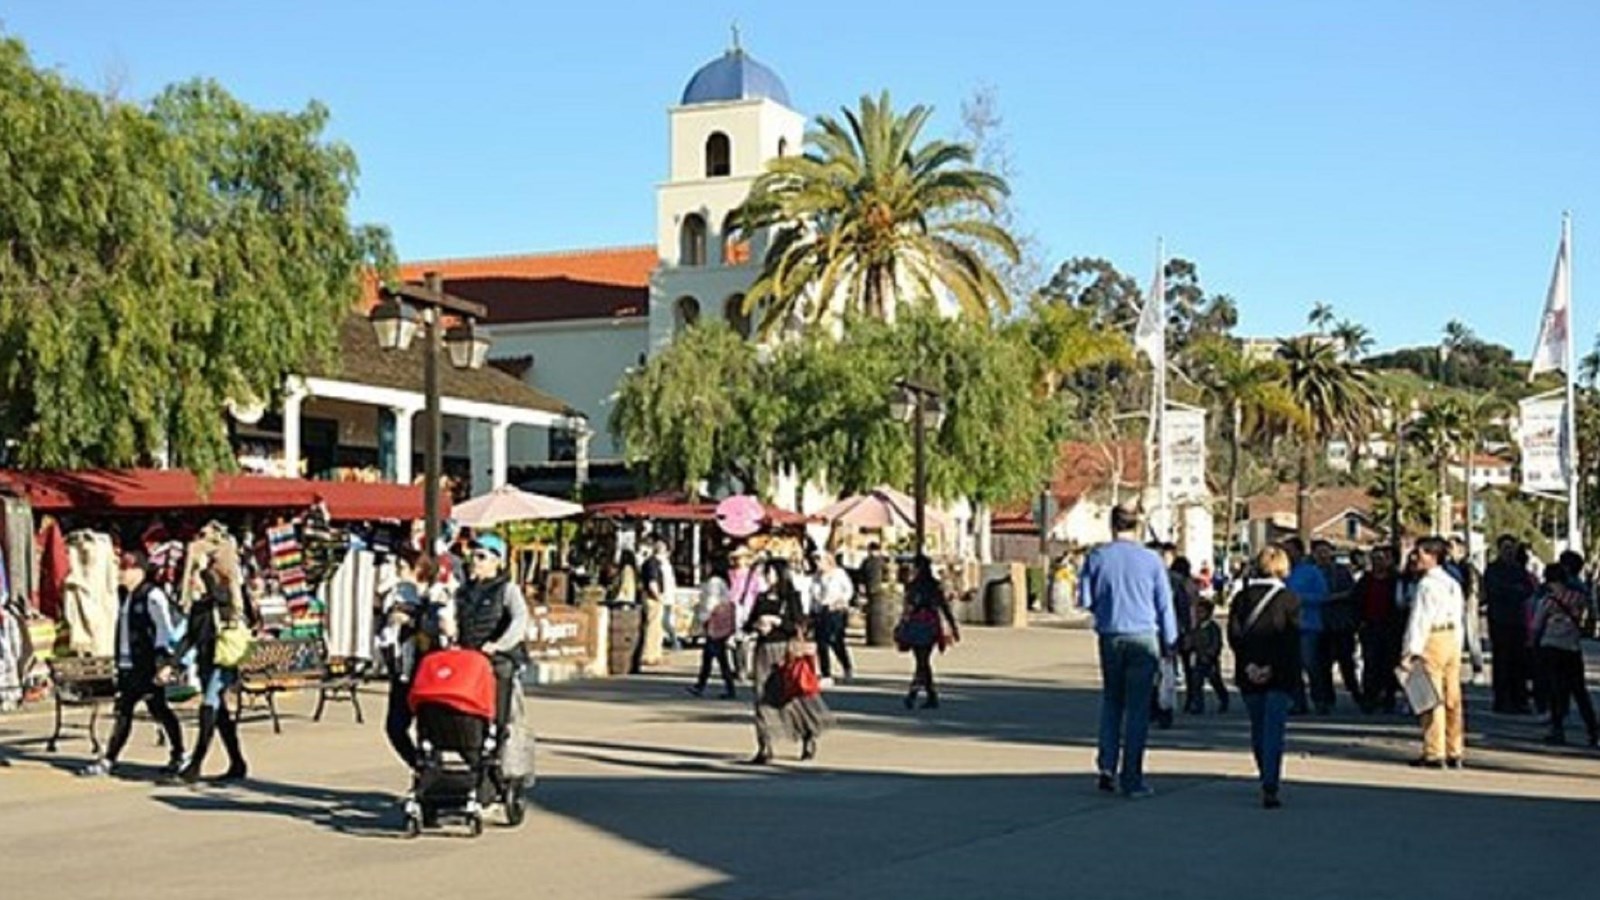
{"points": [[739, 320], [783, 147], [719, 155], [734, 252], [686, 314], [692, 241]]}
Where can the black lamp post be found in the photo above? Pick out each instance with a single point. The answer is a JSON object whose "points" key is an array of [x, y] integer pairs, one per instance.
{"points": [[923, 408], [394, 322]]}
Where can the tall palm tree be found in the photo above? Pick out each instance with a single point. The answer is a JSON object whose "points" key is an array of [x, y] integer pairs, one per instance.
{"points": [[1070, 341], [1437, 432], [1252, 394], [1335, 400], [1457, 335], [1354, 339], [1321, 316], [868, 214]]}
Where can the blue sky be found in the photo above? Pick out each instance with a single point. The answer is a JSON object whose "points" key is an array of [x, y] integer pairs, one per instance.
{"points": [[1406, 162]]}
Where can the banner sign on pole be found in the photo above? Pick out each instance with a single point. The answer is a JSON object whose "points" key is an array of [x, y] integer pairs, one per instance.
{"points": [[1542, 437], [1183, 454]]}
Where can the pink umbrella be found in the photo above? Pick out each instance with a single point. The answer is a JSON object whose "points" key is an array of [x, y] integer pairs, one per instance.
{"points": [[512, 504], [882, 507]]}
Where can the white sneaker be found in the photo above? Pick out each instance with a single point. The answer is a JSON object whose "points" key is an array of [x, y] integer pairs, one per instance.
{"points": [[827, 682], [1479, 679], [97, 769]]}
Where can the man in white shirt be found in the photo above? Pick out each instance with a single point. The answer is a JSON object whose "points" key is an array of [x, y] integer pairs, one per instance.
{"points": [[1433, 641], [832, 592]]}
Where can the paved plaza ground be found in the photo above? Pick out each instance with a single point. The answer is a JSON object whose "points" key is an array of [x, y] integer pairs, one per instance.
{"points": [[641, 794]]}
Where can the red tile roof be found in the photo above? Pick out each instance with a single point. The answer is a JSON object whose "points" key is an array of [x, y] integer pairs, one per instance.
{"points": [[604, 283], [1327, 505], [1082, 468]]}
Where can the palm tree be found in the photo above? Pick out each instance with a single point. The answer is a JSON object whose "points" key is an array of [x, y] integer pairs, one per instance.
{"points": [[867, 214], [1437, 432], [1321, 317], [1354, 339], [1334, 399], [1252, 393], [1457, 336], [1069, 341], [1482, 416]]}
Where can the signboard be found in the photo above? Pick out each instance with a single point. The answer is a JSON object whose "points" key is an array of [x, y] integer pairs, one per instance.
{"points": [[1183, 454], [1543, 441], [561, 633]]}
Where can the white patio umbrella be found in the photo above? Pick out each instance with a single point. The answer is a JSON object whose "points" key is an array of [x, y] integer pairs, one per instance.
{"points": [[509, 503], [882, 507]]}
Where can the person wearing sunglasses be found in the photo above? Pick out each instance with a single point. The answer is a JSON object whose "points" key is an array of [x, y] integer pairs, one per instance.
{"points": [[492, 616]]}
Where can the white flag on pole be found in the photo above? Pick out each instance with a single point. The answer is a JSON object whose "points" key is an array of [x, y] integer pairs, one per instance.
{"points": [[1550, 353], [1150, 336]]}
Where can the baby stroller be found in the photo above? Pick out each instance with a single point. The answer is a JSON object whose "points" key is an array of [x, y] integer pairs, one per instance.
{"points": [[453, 698]]}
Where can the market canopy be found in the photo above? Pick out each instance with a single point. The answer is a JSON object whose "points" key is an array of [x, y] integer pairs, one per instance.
{"points": [[877, 509], [509, 503], [676, 508], [134, 491]]}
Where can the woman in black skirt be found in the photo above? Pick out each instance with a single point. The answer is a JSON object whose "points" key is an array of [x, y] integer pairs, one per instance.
{"points": [[778, 620]]}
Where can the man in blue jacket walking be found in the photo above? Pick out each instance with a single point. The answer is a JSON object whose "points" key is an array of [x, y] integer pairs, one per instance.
{"points": [[1311, 586], [1127, 589]]}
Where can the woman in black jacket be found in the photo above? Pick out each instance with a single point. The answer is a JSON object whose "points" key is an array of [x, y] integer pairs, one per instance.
{"points": [[779, 620], [212, 609], [1264, 632]]}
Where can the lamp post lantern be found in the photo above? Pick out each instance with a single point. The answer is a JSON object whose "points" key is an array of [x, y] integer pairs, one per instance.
{"points": [[394, 323]]}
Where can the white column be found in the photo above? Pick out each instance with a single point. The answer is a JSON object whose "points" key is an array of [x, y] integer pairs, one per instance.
{"points": [[498, 434], [403, 450], [294, 397], [581, 464]]}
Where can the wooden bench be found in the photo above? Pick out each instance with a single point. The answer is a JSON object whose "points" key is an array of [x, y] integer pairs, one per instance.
{"points": [[81, 681], [276, 666]]}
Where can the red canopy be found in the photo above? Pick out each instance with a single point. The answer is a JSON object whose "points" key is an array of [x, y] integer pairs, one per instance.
{"points": [[162, 490], [676, 508]]}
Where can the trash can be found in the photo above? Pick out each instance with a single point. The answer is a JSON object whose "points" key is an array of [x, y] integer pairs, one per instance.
{"points": [[627, 625], [999, 603], [883, 613]]}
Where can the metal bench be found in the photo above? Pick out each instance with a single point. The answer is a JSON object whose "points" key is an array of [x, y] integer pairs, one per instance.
{"points": [[81, 681], [276, 666]]}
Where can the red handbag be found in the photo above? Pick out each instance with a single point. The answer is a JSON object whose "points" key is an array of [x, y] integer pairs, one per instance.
{"points": [[800, 678]]}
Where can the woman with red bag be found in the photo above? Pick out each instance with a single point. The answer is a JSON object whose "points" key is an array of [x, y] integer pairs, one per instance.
{"points": [[787, 692], [922, 629]]}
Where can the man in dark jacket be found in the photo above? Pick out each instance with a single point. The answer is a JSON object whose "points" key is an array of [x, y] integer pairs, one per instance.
{"points": [[144, 657], [1507, 587], [1382, 625]]}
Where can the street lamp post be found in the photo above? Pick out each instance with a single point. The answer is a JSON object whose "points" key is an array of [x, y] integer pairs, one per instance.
{"points": [[394, 321], [923, 408], [1395, 451]]}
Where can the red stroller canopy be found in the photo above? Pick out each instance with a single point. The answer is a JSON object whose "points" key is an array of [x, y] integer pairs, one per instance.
{"points": [[461, 680]]}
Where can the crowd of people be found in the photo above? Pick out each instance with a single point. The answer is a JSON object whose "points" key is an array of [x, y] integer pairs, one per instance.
{"points": [[1298, 615]]}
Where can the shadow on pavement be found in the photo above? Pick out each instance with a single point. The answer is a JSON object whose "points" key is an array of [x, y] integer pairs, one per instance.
{"points": [[818, 833]]}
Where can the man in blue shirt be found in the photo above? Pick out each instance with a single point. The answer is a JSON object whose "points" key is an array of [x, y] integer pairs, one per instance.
{"points": [[1308, 583], [1127, 589]]}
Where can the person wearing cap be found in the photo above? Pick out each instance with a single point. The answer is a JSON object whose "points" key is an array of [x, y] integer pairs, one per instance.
{"points": [[492, 616], [1126, 588], [144, 656]]}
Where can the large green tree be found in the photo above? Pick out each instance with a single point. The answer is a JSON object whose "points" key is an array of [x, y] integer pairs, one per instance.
{"points": [[702, 412], [1334, 400], [157, 260], [866, 220]]}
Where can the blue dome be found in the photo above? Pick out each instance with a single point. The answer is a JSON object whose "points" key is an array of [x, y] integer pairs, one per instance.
{"points": [[734, 76]]}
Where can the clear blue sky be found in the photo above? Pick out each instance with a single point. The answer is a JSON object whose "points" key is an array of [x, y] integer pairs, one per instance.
{"points": [[1406, 162]]}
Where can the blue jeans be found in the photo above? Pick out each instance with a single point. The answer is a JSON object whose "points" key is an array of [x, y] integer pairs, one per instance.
{"points": [[1269, 719], [221, 679], [1315, 672], [1127, 673]]}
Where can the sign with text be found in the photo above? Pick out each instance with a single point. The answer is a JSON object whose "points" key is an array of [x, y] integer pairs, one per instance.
{"points": [[561, 633], [1183, 454], [1542, 437]]}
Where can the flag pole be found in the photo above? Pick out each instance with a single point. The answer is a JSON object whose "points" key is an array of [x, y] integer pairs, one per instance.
{"points": [[1574, 531], [1161, 402]]}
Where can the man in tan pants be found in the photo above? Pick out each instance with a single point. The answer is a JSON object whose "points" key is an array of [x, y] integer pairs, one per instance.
{"points": [[1433, 640]]}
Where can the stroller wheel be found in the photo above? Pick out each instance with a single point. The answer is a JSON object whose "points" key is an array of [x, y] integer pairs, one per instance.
{"points": [[475, 825], [516, 807], [413, 826]]}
